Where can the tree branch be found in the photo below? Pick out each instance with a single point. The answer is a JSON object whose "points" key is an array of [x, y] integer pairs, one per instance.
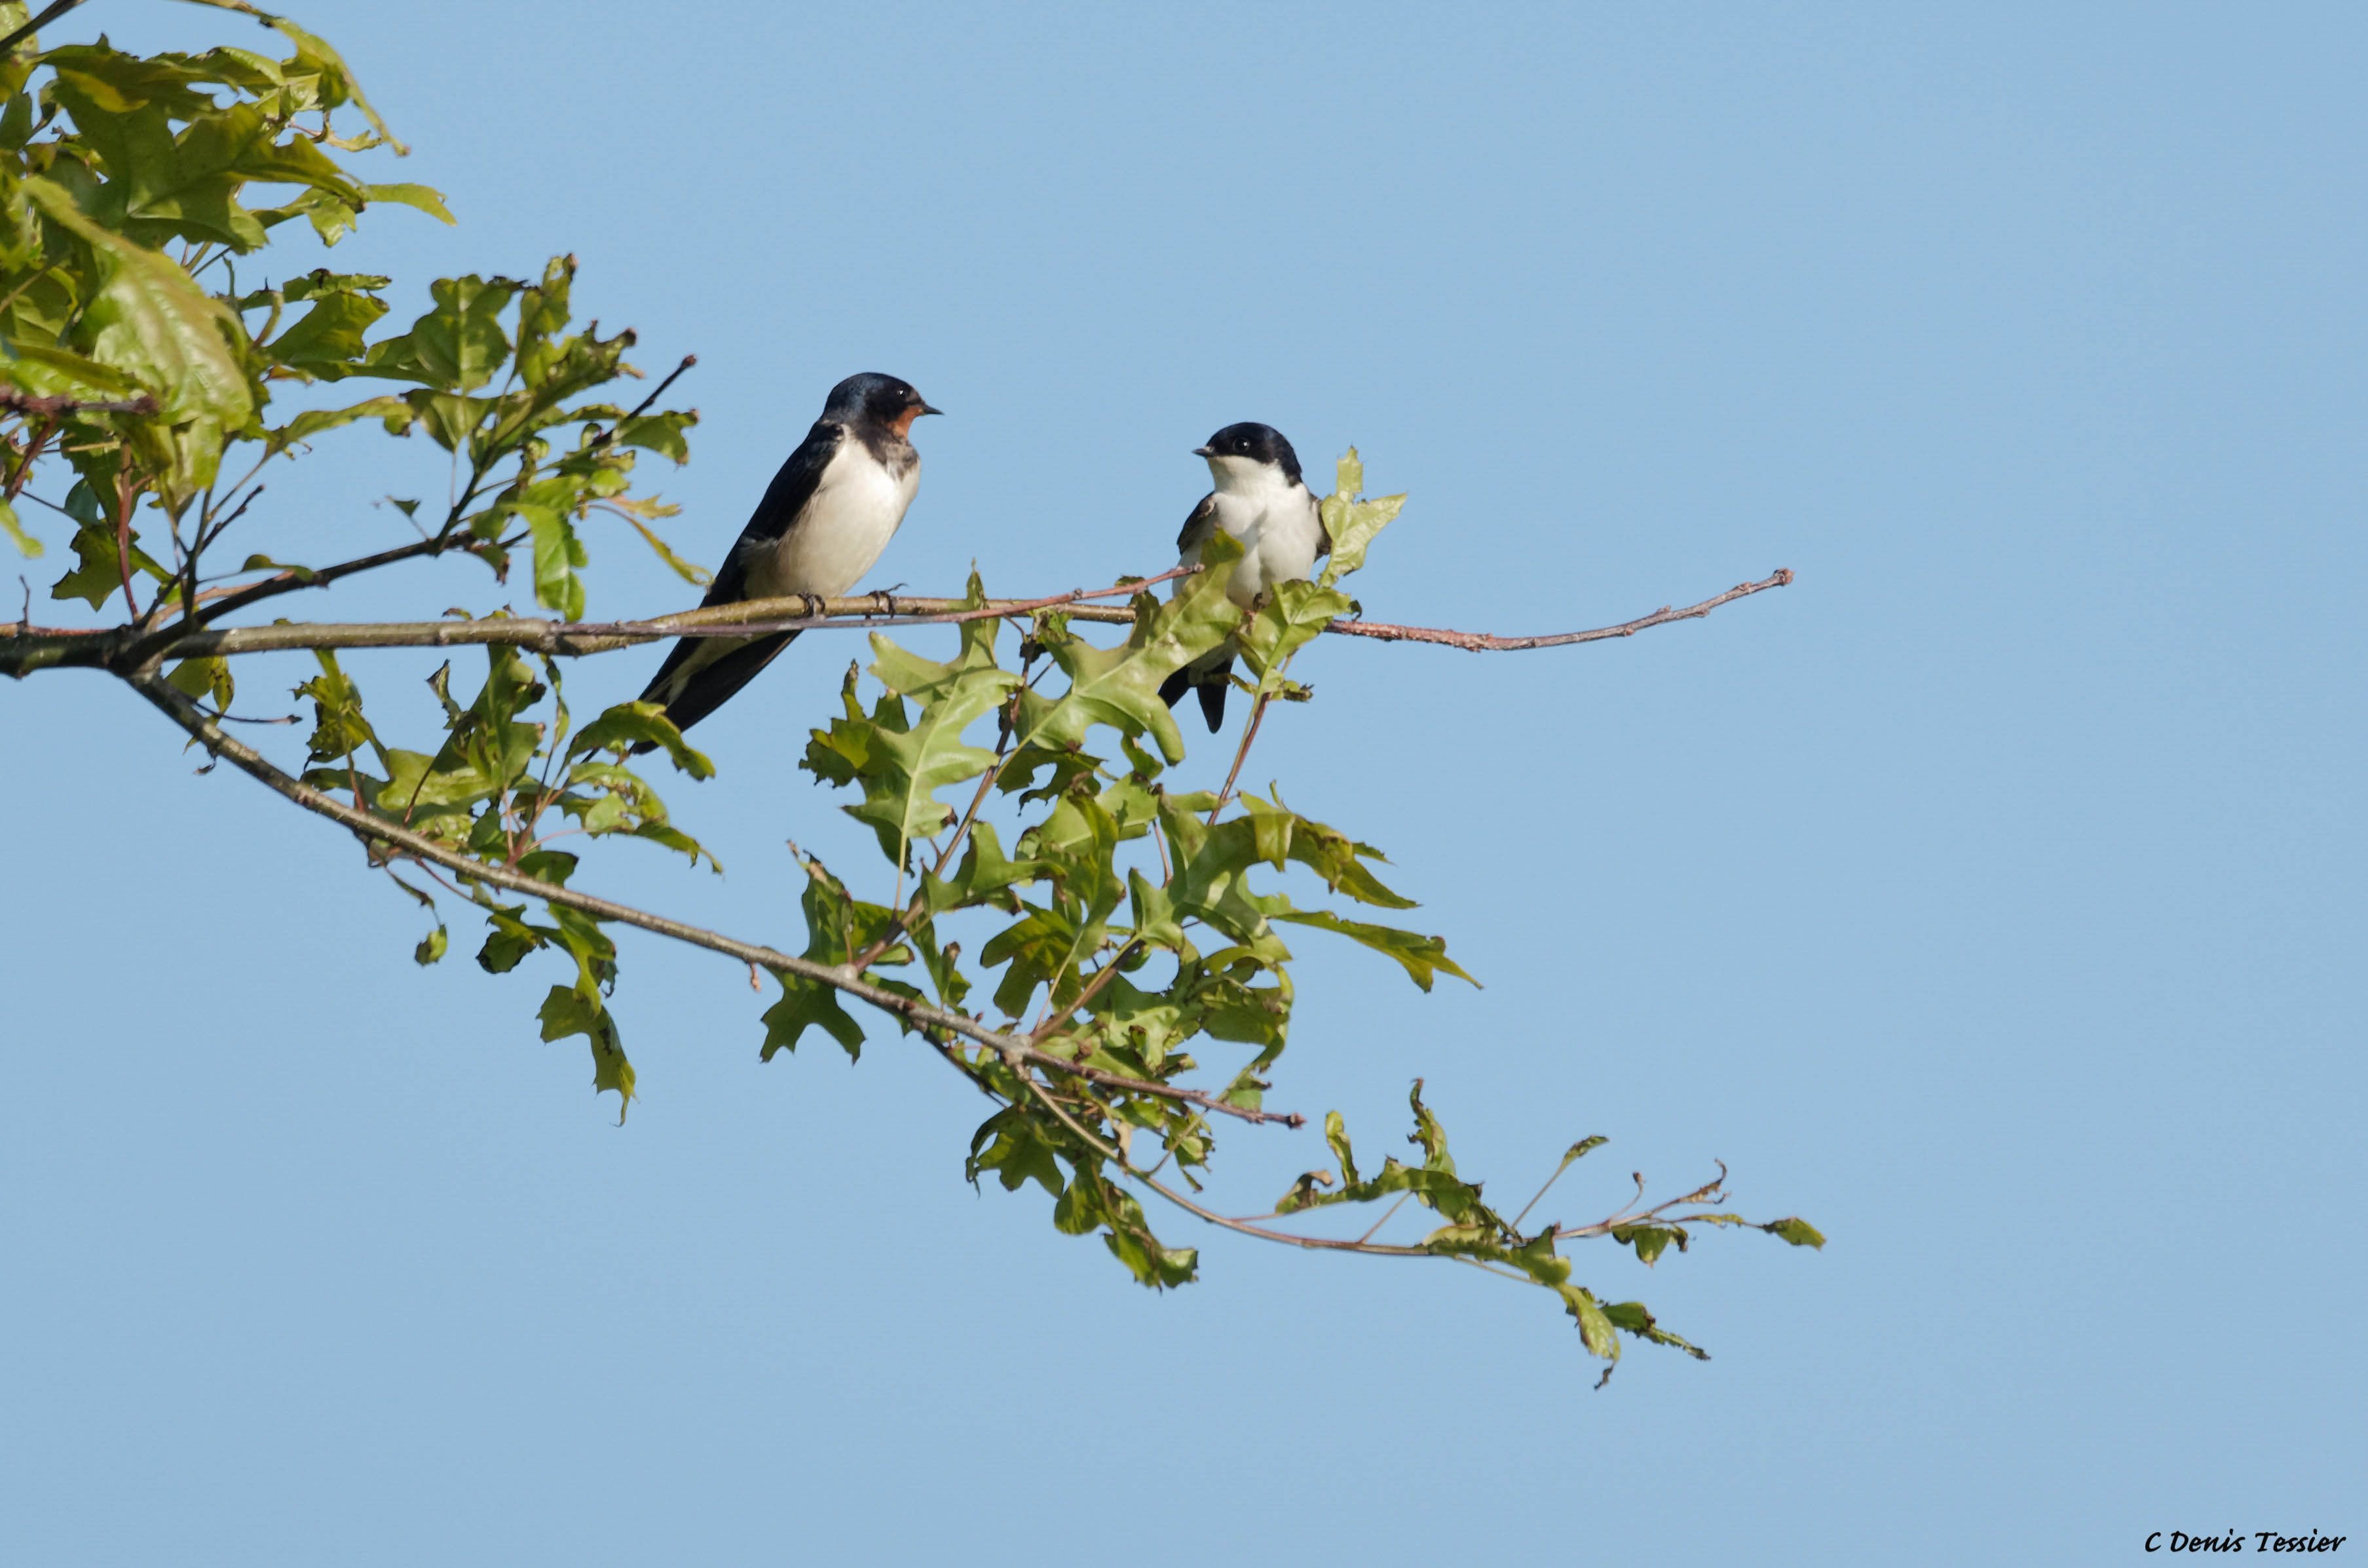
{"points": [[200, 726], [25, 648], [50, 407]]}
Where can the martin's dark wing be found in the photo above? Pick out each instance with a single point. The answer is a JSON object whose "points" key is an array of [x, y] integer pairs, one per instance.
{"points": [[728, 667], [1197, 528], [1209, 676]]}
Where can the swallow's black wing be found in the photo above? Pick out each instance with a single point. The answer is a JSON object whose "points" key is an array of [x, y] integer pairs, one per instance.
{"points": [[1212, 680], [701, 674]]}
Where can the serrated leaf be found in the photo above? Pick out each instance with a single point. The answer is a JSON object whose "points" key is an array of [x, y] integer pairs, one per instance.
{"points": [[804, 1004], [1295, 613], [904, 767], [326, 338], [1009, 1144], [99, 569], [1350, 520], [1119, 687]]}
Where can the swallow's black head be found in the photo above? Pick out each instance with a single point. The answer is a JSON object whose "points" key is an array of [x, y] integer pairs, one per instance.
{"points": [[1257, 443], [872, 399]]}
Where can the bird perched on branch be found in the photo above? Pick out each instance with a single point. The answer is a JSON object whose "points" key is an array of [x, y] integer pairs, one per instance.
{"points": [[824, 521], [1261, 501]]}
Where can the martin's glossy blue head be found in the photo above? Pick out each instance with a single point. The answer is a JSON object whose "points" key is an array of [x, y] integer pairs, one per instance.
{"points": [[1251, 443], [874, 399]]}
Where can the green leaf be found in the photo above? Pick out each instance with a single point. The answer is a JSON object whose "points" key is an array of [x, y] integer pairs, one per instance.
{"points": [[804, 1004], [557, 553], [570, 1010], [1650, 1241], [337, 84], [431, 947], [661, 433], [836, 927], [1349, 474], [984, 876], [1594, 1327], [203, 677], [1800, 1233], [1630, 1317], [99, 569], [1335, 1135], [47, 371], [689, 571], [1429, 1135], [1011, 1145], [1421, 956], [149, 320], [313, 421], [26, 545], [340, 729], [902, 769], [1350, 521], [427, 201], [1119, 687], [630, 723], [457, 345], [1292, 616], [325, 339]]}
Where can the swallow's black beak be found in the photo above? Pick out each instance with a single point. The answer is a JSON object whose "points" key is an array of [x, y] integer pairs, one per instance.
{"points": [[1202, 452], [927, 409]]}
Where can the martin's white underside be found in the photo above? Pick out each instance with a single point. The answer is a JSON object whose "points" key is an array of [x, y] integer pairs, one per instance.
{"points": [[1274, 519]]}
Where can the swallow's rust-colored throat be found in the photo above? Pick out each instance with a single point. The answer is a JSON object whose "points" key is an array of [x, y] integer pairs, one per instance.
{"points": [[903, 423]]}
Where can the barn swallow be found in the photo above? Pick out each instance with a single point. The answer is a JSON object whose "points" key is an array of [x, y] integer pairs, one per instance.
{"points": [[824, 521], [1261, 501]]}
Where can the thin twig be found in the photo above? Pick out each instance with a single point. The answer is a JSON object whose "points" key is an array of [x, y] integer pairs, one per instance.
{"points": [[644, 406], [1487, 642], [1314, 1244], [1386, 1217], [1241, 754]]}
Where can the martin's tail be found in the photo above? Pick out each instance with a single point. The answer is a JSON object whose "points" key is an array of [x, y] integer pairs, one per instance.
{"points": [[1211, 680]]}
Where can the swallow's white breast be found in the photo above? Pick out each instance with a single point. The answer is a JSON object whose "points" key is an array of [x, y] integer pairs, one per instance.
{"points": [[854, 513]]}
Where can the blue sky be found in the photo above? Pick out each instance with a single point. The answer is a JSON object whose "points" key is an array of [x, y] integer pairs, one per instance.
{"points": [[1991, 896]]}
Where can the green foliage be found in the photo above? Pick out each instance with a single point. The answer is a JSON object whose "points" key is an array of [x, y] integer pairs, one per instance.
{"points": [[1132, 987], [122, 219]]}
